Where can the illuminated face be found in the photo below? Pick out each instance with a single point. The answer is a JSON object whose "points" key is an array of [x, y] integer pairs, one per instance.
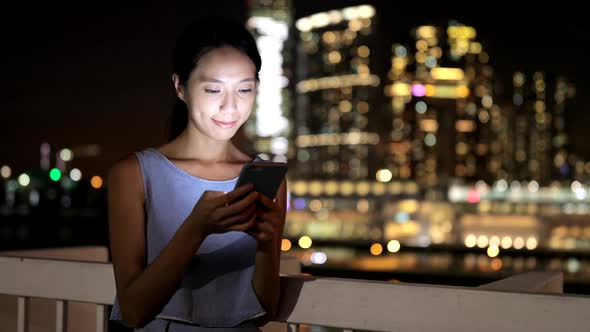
{"points": [[220, 93]]}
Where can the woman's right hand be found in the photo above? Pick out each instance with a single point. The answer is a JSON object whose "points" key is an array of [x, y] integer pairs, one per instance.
{"points": [[216, 212]]}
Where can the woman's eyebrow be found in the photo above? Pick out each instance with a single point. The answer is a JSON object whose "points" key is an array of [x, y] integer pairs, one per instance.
{"points": [[214, 80]]}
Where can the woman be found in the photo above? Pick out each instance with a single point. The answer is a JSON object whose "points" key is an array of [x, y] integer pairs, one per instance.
{"points": [[189, 251]]}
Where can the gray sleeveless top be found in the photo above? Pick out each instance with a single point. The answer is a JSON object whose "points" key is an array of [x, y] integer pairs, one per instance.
{"points": [[216, 290]]}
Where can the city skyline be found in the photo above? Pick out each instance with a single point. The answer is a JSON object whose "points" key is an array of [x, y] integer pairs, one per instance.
{"points": [[419, 141], [118, 74]]}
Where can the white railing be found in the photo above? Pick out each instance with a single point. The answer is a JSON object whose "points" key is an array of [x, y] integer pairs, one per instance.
{"points": [[527, 302]]}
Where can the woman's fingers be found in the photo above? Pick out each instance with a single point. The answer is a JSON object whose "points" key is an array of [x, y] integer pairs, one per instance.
{"points": [[239, 206], [244, 227], [239, 218], [233, 195], [268, 203]]}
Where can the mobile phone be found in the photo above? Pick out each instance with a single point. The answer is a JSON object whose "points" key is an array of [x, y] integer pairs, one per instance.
{"points": [[266, 176]]}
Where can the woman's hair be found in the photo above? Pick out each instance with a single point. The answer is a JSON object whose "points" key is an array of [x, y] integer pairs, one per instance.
{"points": [[193, 43]]}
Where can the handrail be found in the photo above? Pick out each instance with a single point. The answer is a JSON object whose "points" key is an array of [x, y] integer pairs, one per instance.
{"points": [[344, 303], [381, 306]]}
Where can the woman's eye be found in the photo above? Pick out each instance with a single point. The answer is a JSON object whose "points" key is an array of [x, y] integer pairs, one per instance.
{"points": [[211, 91], [245, 90]]}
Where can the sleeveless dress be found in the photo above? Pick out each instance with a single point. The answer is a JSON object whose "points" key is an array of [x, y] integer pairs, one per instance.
{"points": [[216, 292]]}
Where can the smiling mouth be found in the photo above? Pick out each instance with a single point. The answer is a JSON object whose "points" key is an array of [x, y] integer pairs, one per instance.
{"points": [[224, 124]]}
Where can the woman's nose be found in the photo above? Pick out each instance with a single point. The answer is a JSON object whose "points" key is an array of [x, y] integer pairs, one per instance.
{"points": [[228, 103]]}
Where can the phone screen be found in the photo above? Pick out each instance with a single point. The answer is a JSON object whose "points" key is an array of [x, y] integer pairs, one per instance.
{"points": [[265, 176]]}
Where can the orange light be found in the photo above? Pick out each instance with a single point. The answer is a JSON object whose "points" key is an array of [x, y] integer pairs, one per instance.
{"points": [[285, 245], [462, 91], [376, 249], [496, 264], [430, 90], [96, 182]]}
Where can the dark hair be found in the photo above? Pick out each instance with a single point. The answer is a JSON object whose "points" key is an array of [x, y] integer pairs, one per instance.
{"points": [[193, 43]]}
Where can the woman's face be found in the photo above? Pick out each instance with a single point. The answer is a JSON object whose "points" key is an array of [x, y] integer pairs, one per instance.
{"points": [[220, 92]]}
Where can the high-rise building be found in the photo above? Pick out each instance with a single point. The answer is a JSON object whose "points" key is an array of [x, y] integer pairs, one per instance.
{"points": [[335, 133], [445, 122], [539, 103], [562, 102], [269, 129]]}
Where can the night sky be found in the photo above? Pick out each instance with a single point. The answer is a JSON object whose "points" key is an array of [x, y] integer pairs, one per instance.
{"points": [[72, 75]]}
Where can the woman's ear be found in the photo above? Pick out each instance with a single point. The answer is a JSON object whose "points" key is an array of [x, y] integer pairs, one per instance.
{"points": [[178, 87]]}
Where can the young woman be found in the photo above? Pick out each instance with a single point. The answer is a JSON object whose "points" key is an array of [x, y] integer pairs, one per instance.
{"points": [[190, 252]]}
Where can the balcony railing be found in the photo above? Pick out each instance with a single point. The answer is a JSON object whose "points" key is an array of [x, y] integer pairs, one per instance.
{"points": [[527, 302]]}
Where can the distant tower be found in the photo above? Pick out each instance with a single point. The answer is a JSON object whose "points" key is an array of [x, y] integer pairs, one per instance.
{"points": [[563, 96], [540, 141], [443, 85], [336, 83], [270, 21]]}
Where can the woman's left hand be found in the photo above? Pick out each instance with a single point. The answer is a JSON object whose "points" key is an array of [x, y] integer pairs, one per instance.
{"points": [[270, 219]]}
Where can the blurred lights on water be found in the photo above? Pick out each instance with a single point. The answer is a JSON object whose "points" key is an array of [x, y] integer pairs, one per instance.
{"points": [[496, 264]]}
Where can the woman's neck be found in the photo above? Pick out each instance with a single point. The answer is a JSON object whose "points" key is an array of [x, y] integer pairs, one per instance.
{"points": [[193, 145]]}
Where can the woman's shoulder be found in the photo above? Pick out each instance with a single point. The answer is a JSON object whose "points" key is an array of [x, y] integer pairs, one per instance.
{"points": [[126, 167]]}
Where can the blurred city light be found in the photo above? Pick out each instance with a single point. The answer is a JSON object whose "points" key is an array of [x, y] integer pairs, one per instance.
{"points": [[5, 171], [96, 182], [75, 174], [24, 180], [55, 174]]}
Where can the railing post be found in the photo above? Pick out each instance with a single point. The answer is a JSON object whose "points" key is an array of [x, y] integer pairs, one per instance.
{"points": [[61, 316], [23, 314], [101, 318]]}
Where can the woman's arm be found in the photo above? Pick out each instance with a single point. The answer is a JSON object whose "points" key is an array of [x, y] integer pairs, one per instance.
{"points": [[143, 290], [266, 279]]}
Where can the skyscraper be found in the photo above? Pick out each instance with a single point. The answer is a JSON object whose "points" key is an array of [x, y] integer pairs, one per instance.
{"points": [[539, 104], [269, 21], [336, 84], [445, 120]]}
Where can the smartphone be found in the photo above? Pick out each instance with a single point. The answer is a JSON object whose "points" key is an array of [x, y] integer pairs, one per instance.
{"points": [[266, 176]]}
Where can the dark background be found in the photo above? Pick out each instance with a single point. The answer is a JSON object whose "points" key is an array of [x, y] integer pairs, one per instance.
{"points": [[99, 73]]}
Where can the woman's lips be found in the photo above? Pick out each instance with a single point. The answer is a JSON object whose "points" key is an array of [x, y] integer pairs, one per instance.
{"points": [[224, 124]]}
